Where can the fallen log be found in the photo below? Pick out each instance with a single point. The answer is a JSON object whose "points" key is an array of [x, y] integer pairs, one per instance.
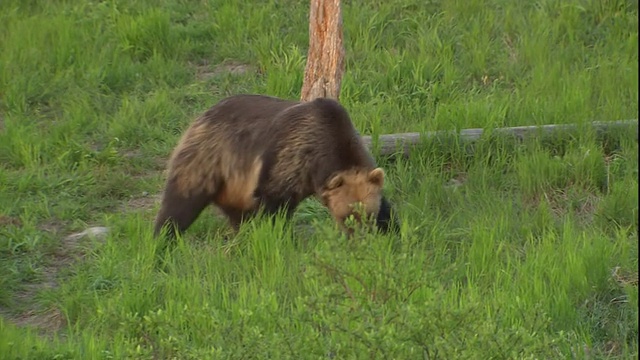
{"points": [[389, 144]]}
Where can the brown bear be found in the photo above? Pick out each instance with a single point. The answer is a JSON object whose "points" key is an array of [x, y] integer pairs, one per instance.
{"points": [[251, 152]]}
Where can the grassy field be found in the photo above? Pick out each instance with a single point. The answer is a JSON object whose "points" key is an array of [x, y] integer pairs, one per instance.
{"points": [[507, 250]]}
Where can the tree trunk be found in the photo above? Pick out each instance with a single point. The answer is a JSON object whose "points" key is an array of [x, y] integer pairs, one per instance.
{"points": [[325, 59]]}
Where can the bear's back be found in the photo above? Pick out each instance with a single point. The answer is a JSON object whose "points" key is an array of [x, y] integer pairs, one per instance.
{"points": [[247, 110]]}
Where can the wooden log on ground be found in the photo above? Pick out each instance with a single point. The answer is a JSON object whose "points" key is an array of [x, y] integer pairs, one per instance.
{"points": [[388, 144], [325, 58]]}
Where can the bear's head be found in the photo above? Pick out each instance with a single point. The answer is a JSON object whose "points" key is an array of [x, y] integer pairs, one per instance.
{"points": [[356, 193]]}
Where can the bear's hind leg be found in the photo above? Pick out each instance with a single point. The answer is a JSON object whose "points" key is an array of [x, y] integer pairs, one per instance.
{"points": [[236, 217], [179, 211]]}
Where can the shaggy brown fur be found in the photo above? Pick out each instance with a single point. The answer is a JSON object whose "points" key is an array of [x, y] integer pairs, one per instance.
{"points": [[251, 151]]}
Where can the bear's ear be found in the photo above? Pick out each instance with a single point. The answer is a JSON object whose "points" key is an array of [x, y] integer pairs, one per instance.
{"points": [[335, 182], [376, 177]]}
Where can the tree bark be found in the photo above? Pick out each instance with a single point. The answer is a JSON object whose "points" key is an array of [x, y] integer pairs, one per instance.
{"points": [[391, 143], [325, 58]]}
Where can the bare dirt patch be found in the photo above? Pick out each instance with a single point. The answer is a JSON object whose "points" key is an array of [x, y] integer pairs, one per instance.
{"points": [[206, 71], [51, 226], [143, 202], [148, 202], [457, 180], [9, 221], [562, 203], [132, 153], [48, 321], [624, 277]]}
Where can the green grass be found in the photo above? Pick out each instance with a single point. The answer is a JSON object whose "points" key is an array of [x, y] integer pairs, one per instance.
{"points": [[515, 261]]}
